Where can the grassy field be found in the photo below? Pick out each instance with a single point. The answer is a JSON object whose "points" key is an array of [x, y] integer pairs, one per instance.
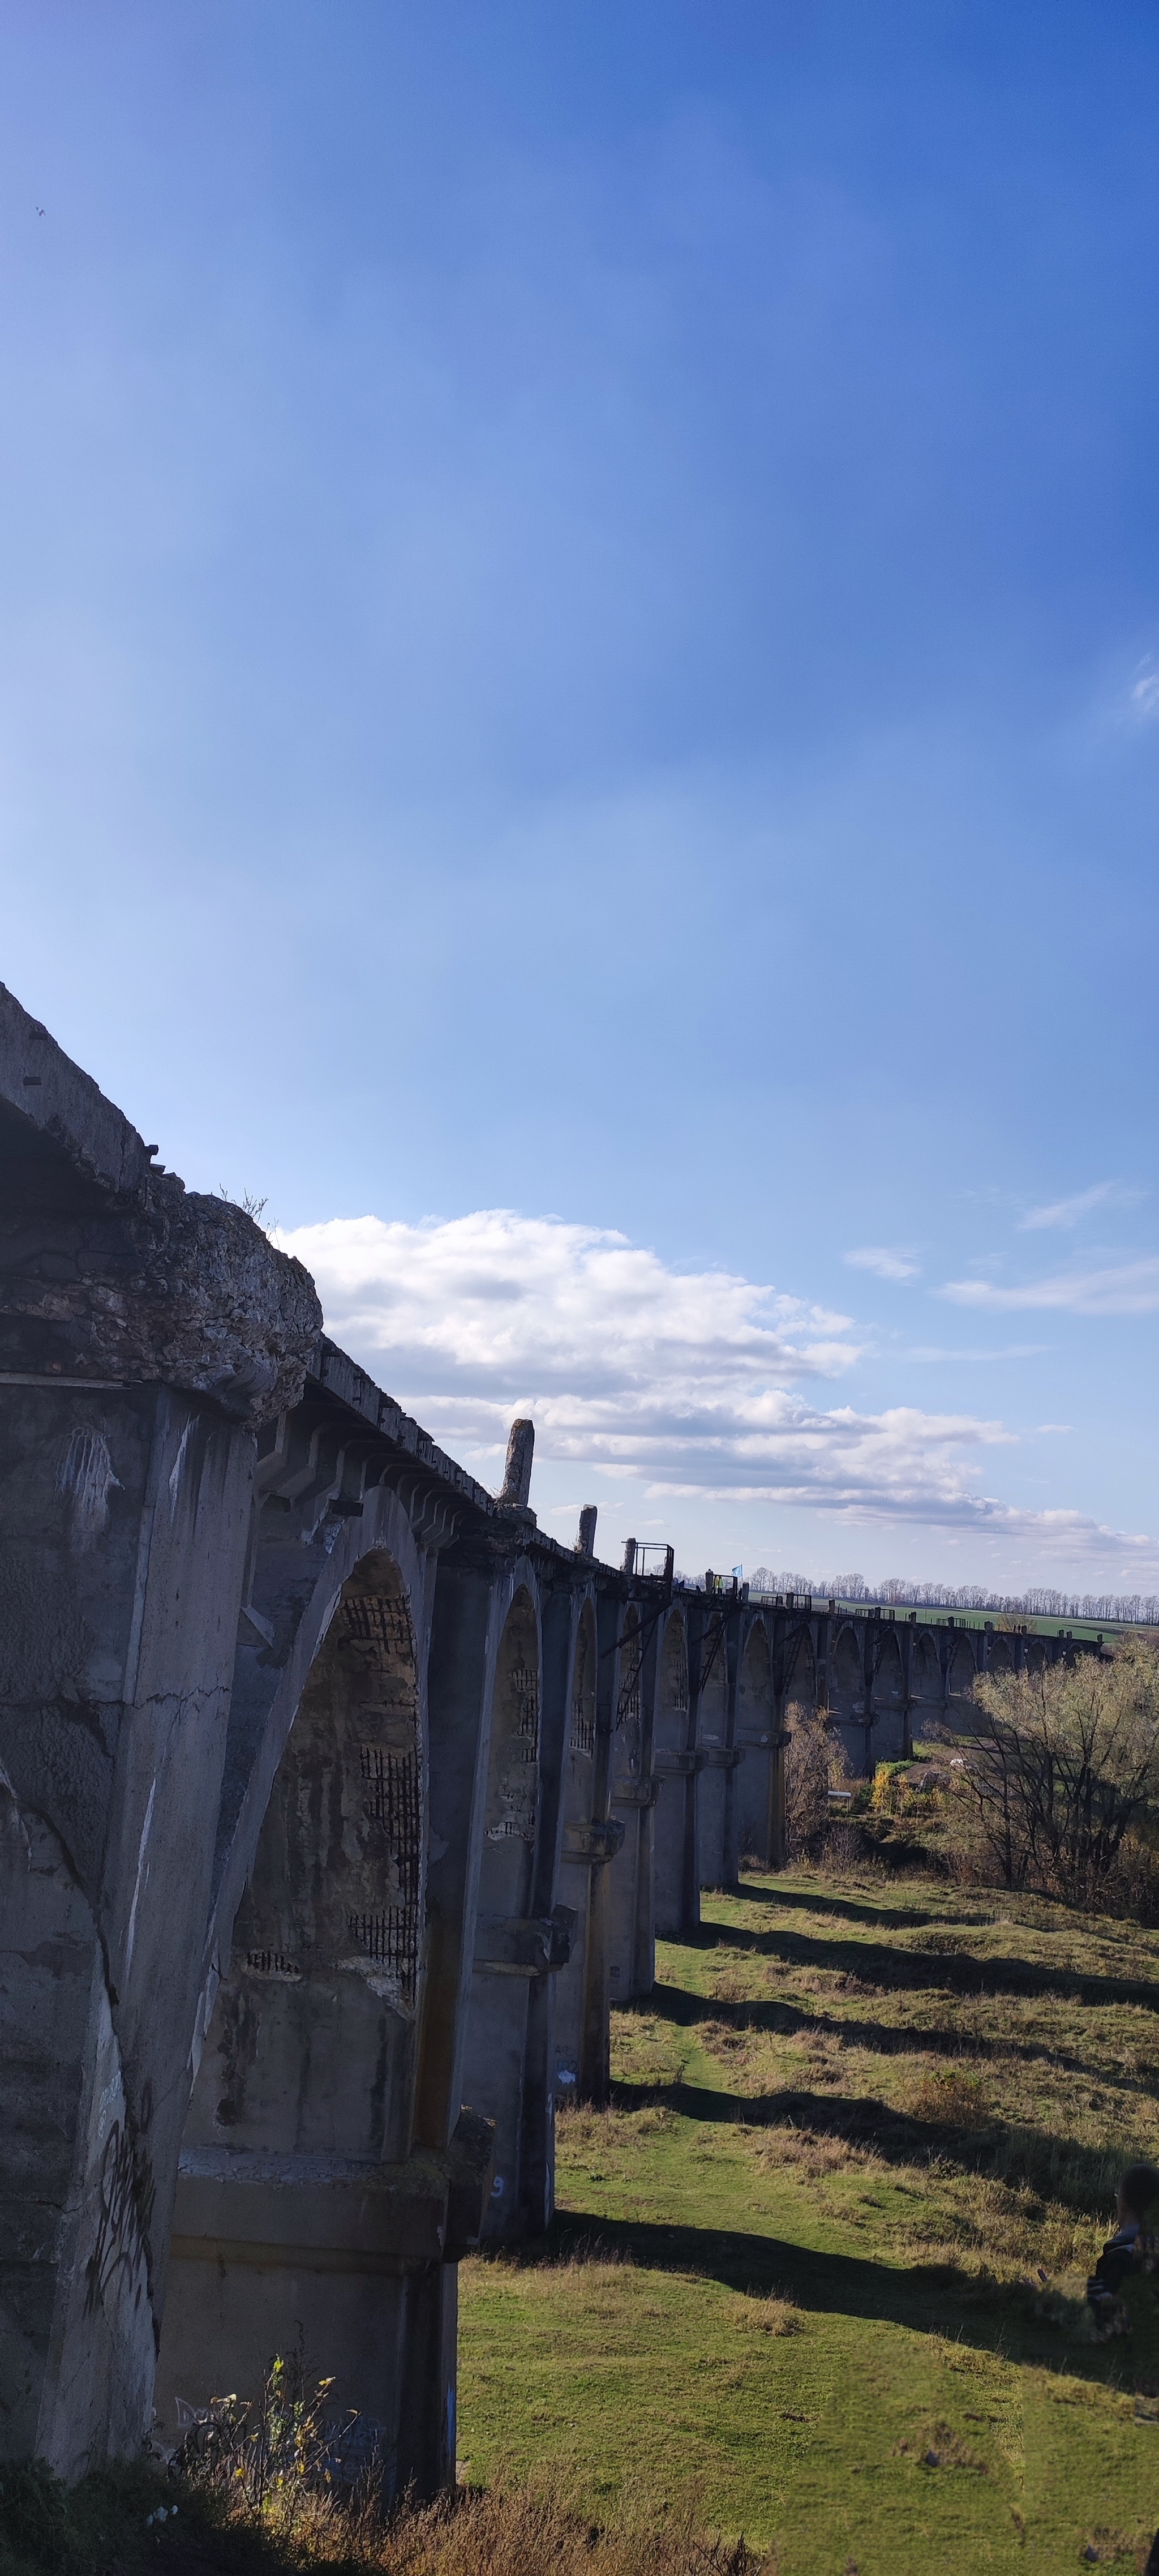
{"points": [[795, 2274]]}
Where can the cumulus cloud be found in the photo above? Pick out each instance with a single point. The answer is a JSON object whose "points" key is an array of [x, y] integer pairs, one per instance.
{"points": [[692, 1382], [1118, 1288], [689, 1379], [501, 1300], [1068, 1212], [884, 1262]]}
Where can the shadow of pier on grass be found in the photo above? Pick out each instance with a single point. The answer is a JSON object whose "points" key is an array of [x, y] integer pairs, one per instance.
{"points": [[936, 2299], [949, 1970]]}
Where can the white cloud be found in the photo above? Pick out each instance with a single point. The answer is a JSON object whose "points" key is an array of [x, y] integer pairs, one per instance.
{"points": [[1122, 1288], [1144, 697], [1067, 1212], [501, 1300], [681, 1381], [883, 1262]]}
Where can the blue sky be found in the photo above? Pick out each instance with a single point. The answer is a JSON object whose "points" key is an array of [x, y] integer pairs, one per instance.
{"points": [[579, 635]]}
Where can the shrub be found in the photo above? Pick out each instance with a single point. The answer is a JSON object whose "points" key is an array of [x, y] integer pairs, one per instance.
{"points": [[769, 2314], [814, 1764], [952, 2095], [1060, 1784]]}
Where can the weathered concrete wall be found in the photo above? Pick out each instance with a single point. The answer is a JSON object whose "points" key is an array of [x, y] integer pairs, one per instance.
{"points": [[634, 1792], [514, 1950], [575, 1879], [756, 1730], [142, 1335], [674, 1768], [323, 2189]]}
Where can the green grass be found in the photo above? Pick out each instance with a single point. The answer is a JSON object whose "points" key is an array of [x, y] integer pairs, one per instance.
{"points": [[795, 2265]]}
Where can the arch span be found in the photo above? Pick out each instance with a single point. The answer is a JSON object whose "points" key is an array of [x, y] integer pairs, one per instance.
{"points": [[671, 1763], [889, 1732], [846, 1674], [962, 1668], [576, 1857], [672, 1696], [800, 1669], [511, 1821], [301, 2115], [925, 1671], [755, 1734], [711, 1792]]}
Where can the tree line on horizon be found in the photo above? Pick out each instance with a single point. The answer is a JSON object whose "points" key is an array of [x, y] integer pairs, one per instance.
{"points": [[1128, 1608]]}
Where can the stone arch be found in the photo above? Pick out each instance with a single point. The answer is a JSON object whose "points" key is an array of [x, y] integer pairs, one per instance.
{"points": [[925, 1670], [327, 1942], [888, 1686], [888, 1739], [576, 1872], [963, 1671], [511, 1820], [962, 1668], [755, 1730], [755, 1696], [308, 2072], [628, 1717], [999, 1657], [670, 1738], [800, 1670], [672, 1688], [712, 1710], [1035, 1655], [712, 1727], [847, 1696], [846, 1672]]}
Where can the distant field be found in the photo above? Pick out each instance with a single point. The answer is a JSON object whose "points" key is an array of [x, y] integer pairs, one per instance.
{"points": [[902, 1611], [795, 2267]]}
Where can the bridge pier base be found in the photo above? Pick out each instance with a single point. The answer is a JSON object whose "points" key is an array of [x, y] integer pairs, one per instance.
{"points": [[340, 2268]]}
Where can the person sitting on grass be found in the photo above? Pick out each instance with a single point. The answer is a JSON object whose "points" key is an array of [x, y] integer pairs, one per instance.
{"points": [[1123, 2266], [1138, 2214]]}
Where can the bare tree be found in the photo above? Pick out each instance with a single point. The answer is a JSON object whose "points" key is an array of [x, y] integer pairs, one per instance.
{"points": [[814, 1764], [1064, 1767]]}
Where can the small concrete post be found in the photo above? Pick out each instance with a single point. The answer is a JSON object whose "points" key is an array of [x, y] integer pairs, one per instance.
{"points": [[517, 1473], [629, 1556], [586, 1542]]}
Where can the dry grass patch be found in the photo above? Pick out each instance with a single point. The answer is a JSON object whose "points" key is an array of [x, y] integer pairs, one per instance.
{"points": [[770, 2315], [805, 2148], [582, 2133], [950, 2095], [501, 2533]]}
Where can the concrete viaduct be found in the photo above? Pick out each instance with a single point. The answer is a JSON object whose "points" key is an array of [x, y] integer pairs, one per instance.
{"points": [[337, 1803]]}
